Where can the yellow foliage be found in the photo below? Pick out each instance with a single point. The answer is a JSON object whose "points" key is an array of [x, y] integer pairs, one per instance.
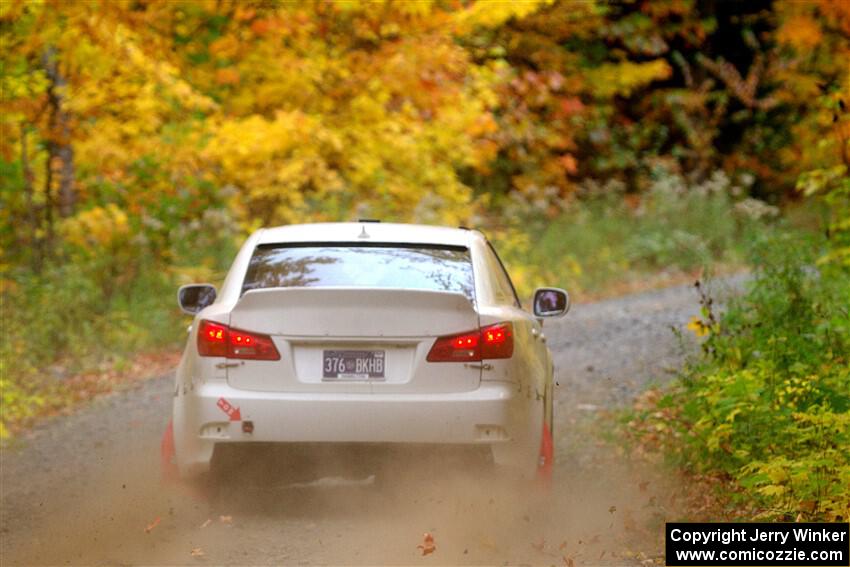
{"points": [[493, 13], [328, 132], [772, 490], [96, 229], [697, 326], [623, 78], [227, 76], [802, 32]]}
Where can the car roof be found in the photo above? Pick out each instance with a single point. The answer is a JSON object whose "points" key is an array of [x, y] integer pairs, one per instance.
{"points": [[368, 232]]}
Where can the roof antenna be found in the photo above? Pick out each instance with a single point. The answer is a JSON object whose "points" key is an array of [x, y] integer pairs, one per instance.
{"points": [[363, 233]]}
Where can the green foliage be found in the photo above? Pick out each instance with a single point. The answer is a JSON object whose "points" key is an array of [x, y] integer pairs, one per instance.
{"points": [[768, 404], [608, 239], [833, 185], [113, 300]]}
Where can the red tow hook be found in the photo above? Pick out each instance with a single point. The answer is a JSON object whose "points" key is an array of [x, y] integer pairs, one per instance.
{"points": [[547, 457], [168, 467]]}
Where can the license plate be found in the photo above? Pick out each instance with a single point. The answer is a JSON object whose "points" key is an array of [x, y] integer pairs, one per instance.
{"points": [[353, 364]]}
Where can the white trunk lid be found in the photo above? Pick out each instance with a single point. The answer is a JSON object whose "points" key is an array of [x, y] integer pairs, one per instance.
{"points": [[387, 332]]}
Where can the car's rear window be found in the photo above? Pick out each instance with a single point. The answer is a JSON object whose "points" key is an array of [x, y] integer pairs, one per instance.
{"points": [[398, 266]]}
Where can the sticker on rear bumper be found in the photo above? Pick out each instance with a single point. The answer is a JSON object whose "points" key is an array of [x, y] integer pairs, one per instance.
{"points": [[232, 412]]}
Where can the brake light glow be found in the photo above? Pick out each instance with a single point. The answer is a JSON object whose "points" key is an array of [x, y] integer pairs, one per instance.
{"points": [[494, 336], [212, 339], [466, 341], [215, 333], [498, 341], [215, 339], [495, 341]]}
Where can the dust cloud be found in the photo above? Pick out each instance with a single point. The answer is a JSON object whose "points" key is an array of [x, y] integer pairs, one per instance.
{"points": [[356, 505]]}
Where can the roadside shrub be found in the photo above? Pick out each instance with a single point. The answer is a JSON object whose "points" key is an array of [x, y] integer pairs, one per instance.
{"points": [[110, 297], [610, 238], [767, 405], [99, 240]]}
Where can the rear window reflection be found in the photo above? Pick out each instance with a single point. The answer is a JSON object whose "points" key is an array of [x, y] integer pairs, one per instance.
{"points": [[426, 268]]}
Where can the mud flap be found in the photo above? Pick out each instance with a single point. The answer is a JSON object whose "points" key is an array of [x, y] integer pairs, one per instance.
{"points": [[546, 461], [168, 465]]}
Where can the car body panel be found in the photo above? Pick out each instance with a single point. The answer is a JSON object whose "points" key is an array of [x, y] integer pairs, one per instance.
{"points": [[465, 418]]}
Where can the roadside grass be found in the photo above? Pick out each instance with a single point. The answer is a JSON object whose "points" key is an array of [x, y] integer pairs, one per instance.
{"points": [[764, 411], [611, 243], [69, 334], [65, 341]]}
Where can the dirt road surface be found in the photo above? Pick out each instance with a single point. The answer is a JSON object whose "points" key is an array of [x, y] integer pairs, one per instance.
{"points": [[86, 489]]}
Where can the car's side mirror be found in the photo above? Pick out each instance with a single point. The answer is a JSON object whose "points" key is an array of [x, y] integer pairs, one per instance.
{"points": [[194, 297], [551, 302]]}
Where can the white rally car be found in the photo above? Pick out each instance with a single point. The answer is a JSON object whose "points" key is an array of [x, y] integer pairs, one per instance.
{"points": [[366, 332]]}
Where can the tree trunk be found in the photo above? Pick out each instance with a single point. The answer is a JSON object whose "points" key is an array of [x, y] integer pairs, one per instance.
{"points": [[31, 213], [60, 153], [48, 199]]}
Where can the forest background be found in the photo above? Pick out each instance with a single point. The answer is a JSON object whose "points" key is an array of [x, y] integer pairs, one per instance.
{"points": [[603, 146]]}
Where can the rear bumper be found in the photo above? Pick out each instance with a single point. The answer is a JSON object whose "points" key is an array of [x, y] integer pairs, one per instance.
{"points": [[201, 420]]}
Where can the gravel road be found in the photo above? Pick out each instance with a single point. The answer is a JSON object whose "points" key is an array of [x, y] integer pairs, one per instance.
{"points": [[83, 489]]}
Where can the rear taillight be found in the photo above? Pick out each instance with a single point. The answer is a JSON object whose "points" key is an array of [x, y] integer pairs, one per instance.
{"points": [[495, 341], [212, 339], [215, 339]]}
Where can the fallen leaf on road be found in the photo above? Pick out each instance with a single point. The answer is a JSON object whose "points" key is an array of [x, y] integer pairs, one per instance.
{"points": [[225, 519], [427, 546], [205, 524], [152, 525], [563, 545], [488, 543], [196, 552]]}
